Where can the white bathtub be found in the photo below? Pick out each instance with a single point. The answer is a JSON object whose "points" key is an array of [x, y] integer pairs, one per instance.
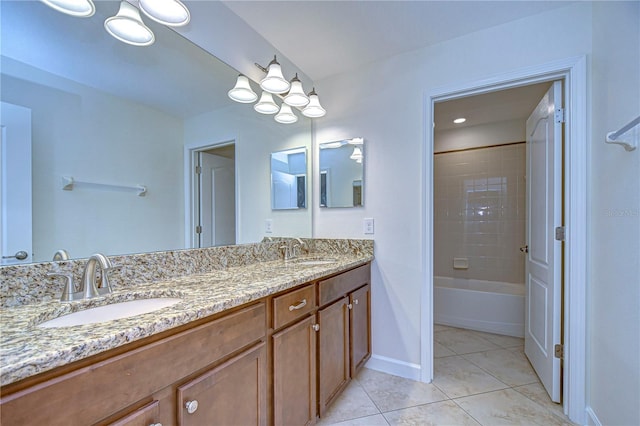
{"points": [[490, 306]]}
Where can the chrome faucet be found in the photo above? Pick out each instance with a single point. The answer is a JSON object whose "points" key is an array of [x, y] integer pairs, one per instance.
{"points": [[302, 245], [88, 286]]}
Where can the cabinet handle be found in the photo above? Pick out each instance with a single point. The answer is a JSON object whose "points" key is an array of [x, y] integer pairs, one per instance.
{"points": [[300, 305], [350, 306], [316, 327], [191, 406]]}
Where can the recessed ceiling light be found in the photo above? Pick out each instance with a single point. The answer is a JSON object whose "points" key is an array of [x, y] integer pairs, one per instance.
{"points": [[460, 120]]}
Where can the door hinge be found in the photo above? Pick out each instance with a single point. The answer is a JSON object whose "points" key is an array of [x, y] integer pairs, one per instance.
{"points": [[198, 229], [198, 170], [559, 115], [560, 233], [559, 351]]}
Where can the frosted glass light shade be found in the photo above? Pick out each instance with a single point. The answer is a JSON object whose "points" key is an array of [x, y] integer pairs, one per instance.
{"points": [[274, 82], [313, 108], [286, 116], [266, 104], [168, 12], [127, 26], [357, 154], [242, 91], [79, 8], [296, 96]]}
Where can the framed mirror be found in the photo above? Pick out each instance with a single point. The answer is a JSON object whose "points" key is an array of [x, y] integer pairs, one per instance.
{"points": [[109, 120], [342, 173], [289, 179]]}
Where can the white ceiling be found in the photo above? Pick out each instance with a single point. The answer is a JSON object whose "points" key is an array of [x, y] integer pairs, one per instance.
{"points": [[325, 38], [504, 105]]}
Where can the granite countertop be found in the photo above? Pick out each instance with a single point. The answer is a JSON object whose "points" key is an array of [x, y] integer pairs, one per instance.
{"points": [[26, 350]]}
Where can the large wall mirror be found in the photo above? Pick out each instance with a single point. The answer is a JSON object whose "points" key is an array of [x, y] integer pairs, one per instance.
{"points": [[342, 173], [289, 179], [114, 117]]}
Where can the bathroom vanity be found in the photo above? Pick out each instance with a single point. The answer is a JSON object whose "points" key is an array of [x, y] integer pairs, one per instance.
{"points": [[279, 353]]}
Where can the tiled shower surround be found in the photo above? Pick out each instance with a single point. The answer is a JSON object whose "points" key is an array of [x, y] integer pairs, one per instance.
{"points": [[479, 203]]}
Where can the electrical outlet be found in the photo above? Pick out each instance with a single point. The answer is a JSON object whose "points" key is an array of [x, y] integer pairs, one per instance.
{"points": [[268, 226], [367, 225]]}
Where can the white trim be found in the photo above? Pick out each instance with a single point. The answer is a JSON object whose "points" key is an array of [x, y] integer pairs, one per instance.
{"points": [[189, 187], [592, 419], [573, 72], [394, 366]]}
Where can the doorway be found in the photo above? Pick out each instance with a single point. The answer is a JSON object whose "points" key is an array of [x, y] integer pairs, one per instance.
{"points": [[213, 191], [572, 72], [494, 259]]}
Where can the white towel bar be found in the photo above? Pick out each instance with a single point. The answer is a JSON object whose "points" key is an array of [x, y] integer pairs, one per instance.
{"points": [[631, 141], [68, 183]]}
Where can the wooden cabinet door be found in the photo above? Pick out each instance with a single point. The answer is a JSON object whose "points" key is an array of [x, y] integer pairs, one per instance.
{"points": [[294, 374], [360, 331], [233, 393], [333, 352]]}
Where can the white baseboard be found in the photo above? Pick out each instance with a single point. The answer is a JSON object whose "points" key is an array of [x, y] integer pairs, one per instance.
{"points": [[592, 419], [394, 367]]}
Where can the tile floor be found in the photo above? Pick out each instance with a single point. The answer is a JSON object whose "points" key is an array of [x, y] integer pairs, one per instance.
{"points": [[480, 379]]}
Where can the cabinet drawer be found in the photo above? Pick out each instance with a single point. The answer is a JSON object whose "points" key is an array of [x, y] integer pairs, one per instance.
{"points": [[132, 376], [144, 416], [335, 287], [291, 306]]}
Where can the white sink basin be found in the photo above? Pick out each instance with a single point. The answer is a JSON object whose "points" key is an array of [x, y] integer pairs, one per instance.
{"points": [[111, 312]]}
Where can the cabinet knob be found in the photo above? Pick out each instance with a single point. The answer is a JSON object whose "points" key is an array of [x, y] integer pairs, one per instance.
{"points": [[355, 301], [155, 424], [316, 327], [191, 406], [350, 306]]}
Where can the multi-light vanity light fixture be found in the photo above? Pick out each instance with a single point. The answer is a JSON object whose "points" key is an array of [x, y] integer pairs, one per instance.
{"points": [[127, 25], [274, 83]]}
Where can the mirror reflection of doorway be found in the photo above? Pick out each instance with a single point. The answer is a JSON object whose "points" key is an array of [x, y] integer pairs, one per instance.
{"points": [[216, 196]]}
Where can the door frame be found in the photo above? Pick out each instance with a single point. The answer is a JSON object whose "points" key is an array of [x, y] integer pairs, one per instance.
{"points": [[573, 72], [190, 188]]}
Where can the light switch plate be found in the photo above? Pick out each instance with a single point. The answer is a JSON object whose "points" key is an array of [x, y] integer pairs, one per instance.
{"points": [[367, 225], [268, 226]]}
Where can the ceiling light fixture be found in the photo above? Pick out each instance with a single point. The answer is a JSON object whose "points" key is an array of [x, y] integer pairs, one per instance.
{"points": [[167, 12], [286, 115], [266, 104], [357, 154], [291, 93], [242, 91], [127, 26], [296, 96], [313, 108], [460, 120], [274, 81], [79, 8]]}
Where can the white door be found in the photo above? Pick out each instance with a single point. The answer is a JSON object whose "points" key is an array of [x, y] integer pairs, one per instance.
{"points": [[544, 258], [15, 185], [284, 191], [217, 200]]}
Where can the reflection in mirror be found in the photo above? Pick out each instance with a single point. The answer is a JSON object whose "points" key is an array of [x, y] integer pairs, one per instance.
{"points": [[341, 173], [116, 117], [289, 179]]}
